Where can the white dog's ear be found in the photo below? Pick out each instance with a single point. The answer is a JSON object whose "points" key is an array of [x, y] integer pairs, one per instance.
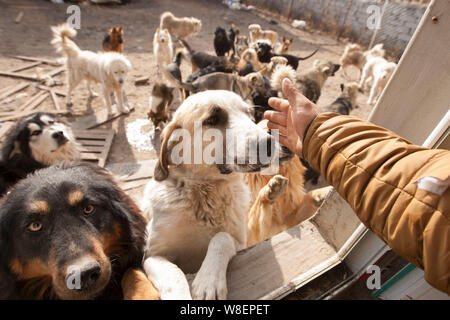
{"points": [[162, 166], [316, 63], [325, 69]]}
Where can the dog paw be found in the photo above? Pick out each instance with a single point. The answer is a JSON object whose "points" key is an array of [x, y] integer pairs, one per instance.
{"points": [[125, 110], [320, 194], [209, 286], [69, 104], [276, 187]]}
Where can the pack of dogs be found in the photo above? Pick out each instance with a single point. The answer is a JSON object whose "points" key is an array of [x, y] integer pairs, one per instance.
{"points": [[67, 231]]}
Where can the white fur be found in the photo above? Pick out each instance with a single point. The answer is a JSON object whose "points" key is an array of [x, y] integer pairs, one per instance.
{"points": [[198, 215], [377, 72], [107, 68], [181, 27], [162, 47]]}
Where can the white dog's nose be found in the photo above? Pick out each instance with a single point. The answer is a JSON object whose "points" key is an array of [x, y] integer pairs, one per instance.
{"points": [[120, 80]]}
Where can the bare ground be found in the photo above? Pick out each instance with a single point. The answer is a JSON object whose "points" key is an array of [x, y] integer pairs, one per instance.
{"points": [[31, 37]]}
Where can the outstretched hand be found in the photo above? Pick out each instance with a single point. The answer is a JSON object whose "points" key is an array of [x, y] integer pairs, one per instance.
{"points": [[292, 116]]}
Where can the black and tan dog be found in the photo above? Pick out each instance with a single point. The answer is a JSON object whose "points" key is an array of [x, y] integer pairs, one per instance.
{"points": [[346, 102], [68, 232], [34, 142], [265, 54]]}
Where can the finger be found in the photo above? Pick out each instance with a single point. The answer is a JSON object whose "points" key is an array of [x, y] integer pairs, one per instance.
{"points": [[282, 130], [284, 141], [276, 117], [295, 98], [279, 104]]}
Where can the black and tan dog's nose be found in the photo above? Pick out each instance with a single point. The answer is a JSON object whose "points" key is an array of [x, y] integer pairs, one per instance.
{"points": [[59, 137], [84, 276]]}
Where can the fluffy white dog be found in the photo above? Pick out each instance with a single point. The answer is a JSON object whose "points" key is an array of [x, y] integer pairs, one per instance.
{"points": [[376, 71], [107, 68], [162, 47], [181, 27], [198, 211]]}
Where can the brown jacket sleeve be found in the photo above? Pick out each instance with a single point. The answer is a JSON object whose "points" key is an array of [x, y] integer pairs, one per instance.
{"points": [[375, 171]]}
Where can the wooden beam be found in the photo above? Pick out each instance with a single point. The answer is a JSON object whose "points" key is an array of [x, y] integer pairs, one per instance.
{"points": [[13, 90], [25, 67], [54, 99], [27, 113], [97, 119], [19, 76], [35, 59]]}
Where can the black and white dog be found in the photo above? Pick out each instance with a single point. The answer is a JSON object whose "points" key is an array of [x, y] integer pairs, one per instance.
{"points": [[35, 142]]}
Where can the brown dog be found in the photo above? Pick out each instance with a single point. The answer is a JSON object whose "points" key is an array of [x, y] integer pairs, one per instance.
{"points": [[114, 40]]}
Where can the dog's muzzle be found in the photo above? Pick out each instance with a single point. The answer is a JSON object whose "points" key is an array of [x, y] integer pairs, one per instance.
{"points": [[60, 138]]}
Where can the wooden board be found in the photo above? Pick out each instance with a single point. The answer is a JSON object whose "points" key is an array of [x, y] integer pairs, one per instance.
{"points": [[19, 76], [25, 67], [97, 119], [95, 144], [13, 90], [35, 59]]}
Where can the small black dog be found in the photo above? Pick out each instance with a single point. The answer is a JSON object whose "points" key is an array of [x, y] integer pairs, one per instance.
{"points": [[68, 232], [201, 60], [35, 142], [222, 44], [265, 54]]}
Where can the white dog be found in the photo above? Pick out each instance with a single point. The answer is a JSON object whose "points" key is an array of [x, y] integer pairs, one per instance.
{"points": [[162, 47], [256, 33], [376, 71], [181, 27], [198, 211], [108, 68]]}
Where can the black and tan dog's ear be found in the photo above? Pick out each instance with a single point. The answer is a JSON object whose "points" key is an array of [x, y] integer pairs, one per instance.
{"points": [[162, 166]]}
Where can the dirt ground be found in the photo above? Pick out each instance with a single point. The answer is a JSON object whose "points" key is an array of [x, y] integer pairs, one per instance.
{"points": [[140, 18]]}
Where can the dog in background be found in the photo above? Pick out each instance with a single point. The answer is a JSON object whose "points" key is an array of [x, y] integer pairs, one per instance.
{"points": [[160, 101], [265, 54], [346, 102], [378, 71], [240, 44], [66, 221], [222, 44], [284, 47], [200, 60], [34, 142], [257, 33], [113, 41], [108, 68], [199, 210], [162, 47], [354, 56], [180, 27]]}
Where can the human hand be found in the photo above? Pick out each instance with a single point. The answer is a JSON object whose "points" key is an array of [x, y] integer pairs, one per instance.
{"points": [[292, 118]]}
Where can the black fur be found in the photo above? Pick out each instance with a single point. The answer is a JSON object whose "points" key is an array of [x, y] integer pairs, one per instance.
{"points": [[67, 233], [203, 59], [248, 68], [222, 44], [207, 70], [16, 166], [265, 54]]}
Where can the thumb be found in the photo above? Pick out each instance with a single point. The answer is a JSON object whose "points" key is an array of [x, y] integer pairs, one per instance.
{"points": [[289, 91]]}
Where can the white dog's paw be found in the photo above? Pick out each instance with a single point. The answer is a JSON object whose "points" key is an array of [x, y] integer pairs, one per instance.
{"points": [[320, 194], [125, 109], [208, 286]]}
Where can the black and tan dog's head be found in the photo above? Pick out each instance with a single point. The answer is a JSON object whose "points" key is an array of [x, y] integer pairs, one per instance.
{"points": [[42, 138], [68, 232]]}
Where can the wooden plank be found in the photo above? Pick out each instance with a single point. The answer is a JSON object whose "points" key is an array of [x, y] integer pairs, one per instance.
{"points": [[46, 61], [13, 90], [90, 156], [3, 90], [91, 142], [59, 93], [25, 67], [130, 185], [26, 105], [19, 76], [104, 155], [57, 71], [97, 119], [27, 113], [54, 99], [92, 135], [259, 270], [37, 101], [19, 17], [92, 149]]}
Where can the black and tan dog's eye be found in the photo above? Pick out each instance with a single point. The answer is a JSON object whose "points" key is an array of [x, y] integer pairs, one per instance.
{"points": [[35, 226], [89, 209], [36, 132]]}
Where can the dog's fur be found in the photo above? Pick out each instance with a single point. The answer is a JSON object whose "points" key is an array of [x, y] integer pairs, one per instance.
{"points": [[240, 44], [284, 46], [265, 54], [222, 43], [200, 60], [108, 68], [209, 69], [34, 142], [249, 63], [159, 104], [113, 41], [199, 210], [68, 219], [354, 55], [257, 33], [243, 86], [279, 202], [376, 71], [162, 47], [181, 27], [346, 102]]}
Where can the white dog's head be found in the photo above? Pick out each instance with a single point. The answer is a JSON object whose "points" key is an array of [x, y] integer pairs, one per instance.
{"points": [[196, 25], [387, 71], [211, 134], [162, 36], [117, 66]]}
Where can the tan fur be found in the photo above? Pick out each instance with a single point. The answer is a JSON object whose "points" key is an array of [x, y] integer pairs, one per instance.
{"points": [[75, 197], [249, 55], [136, 286], [181, 27], [351, 91], [162, 47], [257, 33], [39, 207], [281, 72], [355, 56], [284, 46]]}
